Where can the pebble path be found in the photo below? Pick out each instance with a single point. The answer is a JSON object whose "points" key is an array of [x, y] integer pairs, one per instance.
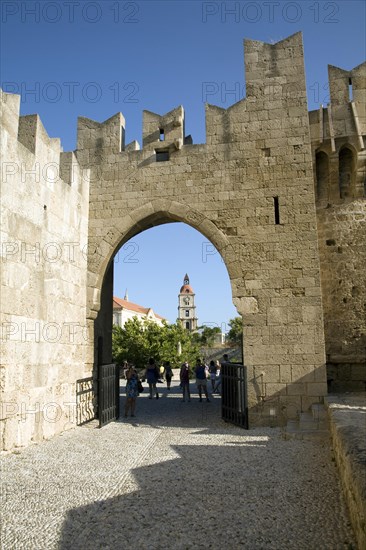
{"points": [[174, 477]]}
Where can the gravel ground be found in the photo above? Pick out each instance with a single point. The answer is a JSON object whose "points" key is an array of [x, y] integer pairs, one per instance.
{"points": [[176, 477]]}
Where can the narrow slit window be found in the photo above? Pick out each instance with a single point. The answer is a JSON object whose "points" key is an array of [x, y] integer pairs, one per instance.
{"points": [[122, 139], [350, 90], [276, 205], [161, 134]]}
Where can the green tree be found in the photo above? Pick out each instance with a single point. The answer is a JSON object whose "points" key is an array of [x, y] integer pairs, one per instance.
{"points": [[137, 341], [235, 334], [130, 343], [208, 335]]}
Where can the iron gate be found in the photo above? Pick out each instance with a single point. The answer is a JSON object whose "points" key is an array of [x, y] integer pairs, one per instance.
{"points": [[108, 393], [234, 407], [85, 400]]}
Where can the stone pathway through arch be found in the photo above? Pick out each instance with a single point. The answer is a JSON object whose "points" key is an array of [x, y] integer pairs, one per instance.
{"points": [[176, 477]]}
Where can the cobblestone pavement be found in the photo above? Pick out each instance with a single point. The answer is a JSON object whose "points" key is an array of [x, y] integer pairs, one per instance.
{"points": [[176, 477]]}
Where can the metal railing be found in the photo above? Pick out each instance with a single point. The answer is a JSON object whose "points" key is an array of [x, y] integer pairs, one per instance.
{"points": [[85, 400]]}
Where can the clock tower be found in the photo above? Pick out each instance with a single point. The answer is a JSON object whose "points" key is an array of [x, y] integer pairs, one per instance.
{"points": [[186, 308]]}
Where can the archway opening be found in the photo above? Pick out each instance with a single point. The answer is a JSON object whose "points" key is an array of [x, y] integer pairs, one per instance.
{"points": [[143, 282]]}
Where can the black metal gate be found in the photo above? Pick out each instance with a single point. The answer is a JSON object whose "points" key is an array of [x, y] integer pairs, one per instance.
{"points": [[234, 407], [85, 400], [108, 393]]}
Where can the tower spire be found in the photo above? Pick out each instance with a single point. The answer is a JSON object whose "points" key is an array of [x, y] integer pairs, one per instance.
{"points": [[126, 296]]}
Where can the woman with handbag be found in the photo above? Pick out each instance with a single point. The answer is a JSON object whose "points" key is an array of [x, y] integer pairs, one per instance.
{"points": [[132, 390]]}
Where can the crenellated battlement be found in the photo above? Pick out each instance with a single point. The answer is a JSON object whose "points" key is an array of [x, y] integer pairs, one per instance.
{"points": [[163, 132], [39, 156], [95, 139], [338, 138], [33, 135], [10, 109], [346, 86], [275, 81], [275, 69]]}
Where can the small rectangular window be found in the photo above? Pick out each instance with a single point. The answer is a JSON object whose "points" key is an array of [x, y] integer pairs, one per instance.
{"points": [[162, 156], [276, 210], [187, 312], [162, 134], [350, 90]]}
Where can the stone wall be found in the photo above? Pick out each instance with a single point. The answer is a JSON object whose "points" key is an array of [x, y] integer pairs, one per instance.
{"points": [[343, 260], [250, 191], [277, 190], [44, 217], [339, 154], [348, 432]]}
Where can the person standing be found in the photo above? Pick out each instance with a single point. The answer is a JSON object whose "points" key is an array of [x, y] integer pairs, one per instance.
{"points": [[201, 379], [225, 359], [168, 374], [218, 378], [152, 375], [161, 373], [212, 369], [184, 381], [131, 390]]}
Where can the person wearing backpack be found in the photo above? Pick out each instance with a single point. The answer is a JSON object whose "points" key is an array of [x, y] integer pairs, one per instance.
{"points": [[184, 381], [201, 379], [168, 374]]}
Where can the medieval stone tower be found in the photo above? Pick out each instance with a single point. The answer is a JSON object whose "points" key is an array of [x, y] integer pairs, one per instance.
{"points": [[279, 192], [186, 307]]}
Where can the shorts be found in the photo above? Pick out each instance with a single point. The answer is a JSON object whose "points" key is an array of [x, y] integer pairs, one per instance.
{"points": [[201, 382]]}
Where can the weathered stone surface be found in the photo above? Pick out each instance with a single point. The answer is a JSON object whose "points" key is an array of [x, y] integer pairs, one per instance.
{"points": [[348, 430]]}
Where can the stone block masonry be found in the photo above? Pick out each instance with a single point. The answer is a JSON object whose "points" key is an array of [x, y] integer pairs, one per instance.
{"points": [[44, 236], [258, 189]]}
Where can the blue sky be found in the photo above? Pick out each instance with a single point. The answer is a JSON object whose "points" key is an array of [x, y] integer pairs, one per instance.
{"points": [[93, 59]]}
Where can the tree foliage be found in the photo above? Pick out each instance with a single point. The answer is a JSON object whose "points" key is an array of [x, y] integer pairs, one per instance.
{"points": [[138, 340], [208, 335], [235, 334]]}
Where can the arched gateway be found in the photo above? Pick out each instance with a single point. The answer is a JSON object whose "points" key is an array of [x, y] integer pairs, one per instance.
{"points": [[249, 190]]}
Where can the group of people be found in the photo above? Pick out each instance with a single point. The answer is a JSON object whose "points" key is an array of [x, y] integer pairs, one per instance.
{"points": [[153, 375], [201, 371]]}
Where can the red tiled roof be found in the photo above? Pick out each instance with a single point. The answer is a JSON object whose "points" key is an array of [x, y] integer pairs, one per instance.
{"points": [[187, 289], [118, 303]]}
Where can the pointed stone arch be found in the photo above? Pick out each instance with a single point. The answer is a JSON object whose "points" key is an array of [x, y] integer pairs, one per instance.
{"points": [[151, 214], [347, 170], [322, 175]]}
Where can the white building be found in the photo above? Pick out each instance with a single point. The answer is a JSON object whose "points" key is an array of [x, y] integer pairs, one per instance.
{"points": [[124, 310]]}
